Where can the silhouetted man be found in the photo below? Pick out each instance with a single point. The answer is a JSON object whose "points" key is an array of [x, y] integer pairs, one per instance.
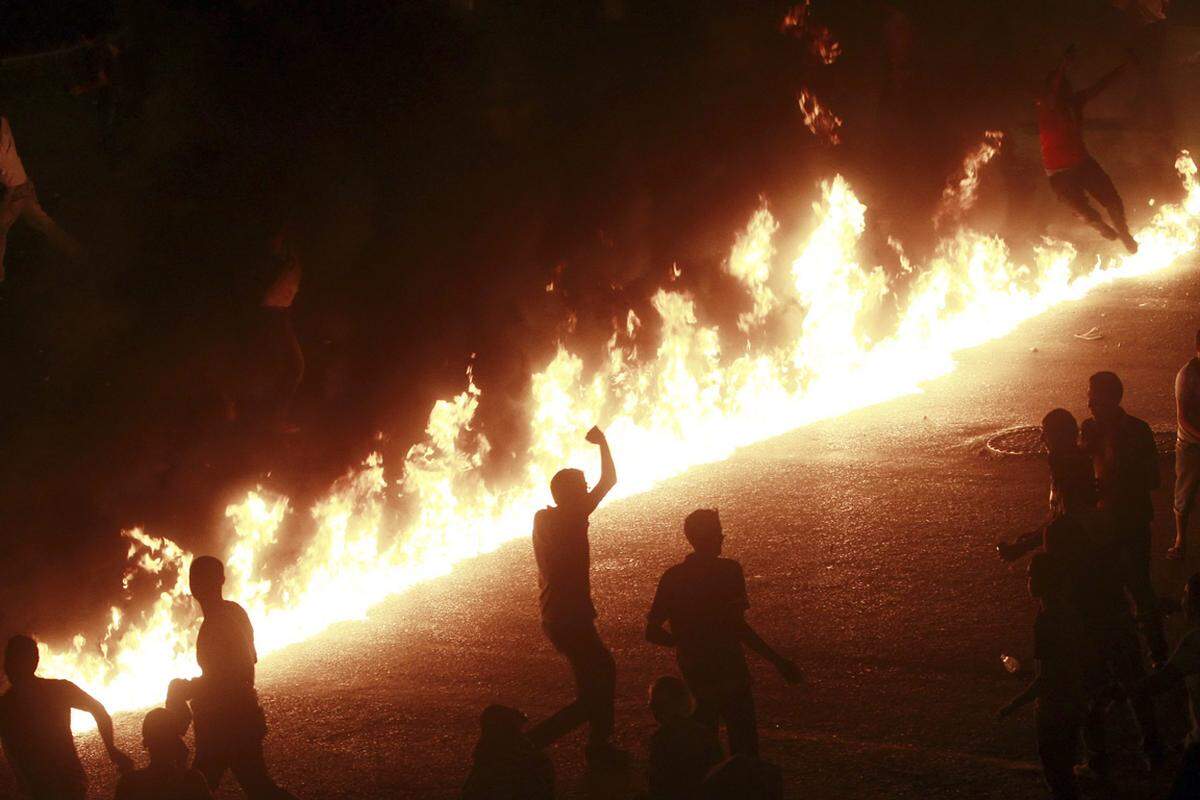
{"points": [[1070, 474], [560, 545], [1125, 461], [1058, 684], [168, 776], [18, 200], [704, 602], [506, 765], [35, 727], [682, 751], [1184, 666], [230, 726], [1072, 171], [1187, 449]]}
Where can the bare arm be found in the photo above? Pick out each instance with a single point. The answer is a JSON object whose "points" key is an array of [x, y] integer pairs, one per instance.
{"points": [[104, 724], [790, 672], [1031, 692], [608, 469], [1099, 86]]}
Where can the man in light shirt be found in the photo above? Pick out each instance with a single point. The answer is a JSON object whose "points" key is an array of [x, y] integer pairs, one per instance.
{"points": [[19, 200], [1187, 449]]}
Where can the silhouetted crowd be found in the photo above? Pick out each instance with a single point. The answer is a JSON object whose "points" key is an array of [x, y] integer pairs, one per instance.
{"points": [[698, 610], [1099, 620]]}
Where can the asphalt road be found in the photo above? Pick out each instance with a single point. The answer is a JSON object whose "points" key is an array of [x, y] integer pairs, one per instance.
{"points": [[867, 545]]}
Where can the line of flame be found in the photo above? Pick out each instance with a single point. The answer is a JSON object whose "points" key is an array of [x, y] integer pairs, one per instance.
{"points": [[685, 404]]}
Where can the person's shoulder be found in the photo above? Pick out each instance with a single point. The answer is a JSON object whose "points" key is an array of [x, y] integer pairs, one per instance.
{"points": [[235, 609], [1190, 641], [1138, 425]]}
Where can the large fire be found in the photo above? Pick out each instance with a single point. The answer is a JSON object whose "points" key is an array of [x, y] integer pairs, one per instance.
{"points": [[652, 400]]}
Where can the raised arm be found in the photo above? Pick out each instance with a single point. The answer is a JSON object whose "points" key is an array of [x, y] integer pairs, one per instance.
{"points": [[1099, 86], [104, 724], [608, 469]]}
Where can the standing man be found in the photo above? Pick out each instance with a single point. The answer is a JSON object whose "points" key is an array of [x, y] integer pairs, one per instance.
{"points": [[1125, 460], [704, 601], [1187, 449], [230, 726], [19, 200], [35, 727], [1072, 171], [560, 545]]}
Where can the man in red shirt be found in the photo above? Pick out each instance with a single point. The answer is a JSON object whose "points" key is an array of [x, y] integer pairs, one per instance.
{"points": [[1072, 171]]}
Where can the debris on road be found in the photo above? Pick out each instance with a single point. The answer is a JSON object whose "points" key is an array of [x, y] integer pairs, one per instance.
{"points": [[1090, 336]]}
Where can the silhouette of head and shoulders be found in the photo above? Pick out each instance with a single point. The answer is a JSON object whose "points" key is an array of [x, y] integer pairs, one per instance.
{"points": [[682, 751], [35, 719], [506, 764], [225, 643], [167, 777]]}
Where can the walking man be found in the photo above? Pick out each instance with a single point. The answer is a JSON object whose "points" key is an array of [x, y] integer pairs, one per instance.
{"points": [[704, 602], [230, 726], [1072, 171], [560, 545], [1187, 449], [35, 727]]}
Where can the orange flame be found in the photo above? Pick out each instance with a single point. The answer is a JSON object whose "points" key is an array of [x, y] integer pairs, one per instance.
{"points": [[961, 191], [820, 120], [652, 406]]}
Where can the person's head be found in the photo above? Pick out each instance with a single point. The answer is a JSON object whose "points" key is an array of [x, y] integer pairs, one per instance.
{"points": [[1104, 395], [500, 723], [1045, 578], [702, 528], [569, 488], [20, 659], [1060, 431], [162, 736], [1191, 599], [206, 578], [669, 699]]}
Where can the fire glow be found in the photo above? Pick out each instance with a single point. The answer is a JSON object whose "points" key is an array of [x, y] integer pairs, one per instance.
{"points": [[650, 398]]}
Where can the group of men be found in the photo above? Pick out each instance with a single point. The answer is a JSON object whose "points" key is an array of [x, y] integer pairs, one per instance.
{"points": [[1091, 578], [698, 609], [221, 705]]}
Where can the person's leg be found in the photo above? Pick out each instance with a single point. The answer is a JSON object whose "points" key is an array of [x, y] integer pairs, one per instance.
{"points": [[33, 215], [741, 721], [597, 681], [708, 702], [1187, 480], [574, 714], [1068, 186], [292, 365], [1129, 670], [250, 769], [1057, 740], [1135, 544], [211, 765], [1097, 183]]}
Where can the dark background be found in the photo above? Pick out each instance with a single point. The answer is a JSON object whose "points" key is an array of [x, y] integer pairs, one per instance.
{"points": [[439, 163]]}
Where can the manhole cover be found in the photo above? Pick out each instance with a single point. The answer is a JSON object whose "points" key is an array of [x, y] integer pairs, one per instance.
{"points": [[1026, 440]]}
